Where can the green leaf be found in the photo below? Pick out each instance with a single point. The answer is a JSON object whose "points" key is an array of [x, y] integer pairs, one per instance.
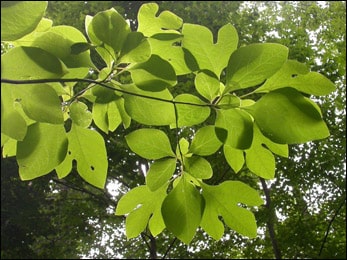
{"points": [[251, 65], [205, 141], [159, 173], [223, 200], [189, 114], [198, 167], [106, 116], [184, 146], [80, 115], [229, 101], [155, 74], [135, 49], [234, 157], [9, 146], [43, 148], [34, 63], [13, 123], [207, 85], [296, 75], [19, 18], [142, 205], [40, 102], [182, 210], [150, 23], [210, 56], [88, 149], [59, 41], [239, 125], [149, 143], [147, 110], [287, 117], [109, 27], [80, 47], [168, 46]]}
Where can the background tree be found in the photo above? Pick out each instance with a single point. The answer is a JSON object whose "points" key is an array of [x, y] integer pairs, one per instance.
{"points": [[307, 208]]}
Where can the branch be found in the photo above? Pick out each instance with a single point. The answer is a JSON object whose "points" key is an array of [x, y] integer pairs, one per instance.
{"points": [[270, 222], [169, 248], [329, 226], [35, 81]]}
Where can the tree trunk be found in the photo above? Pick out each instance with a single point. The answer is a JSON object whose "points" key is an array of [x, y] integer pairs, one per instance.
{"points": [[271, 220]]}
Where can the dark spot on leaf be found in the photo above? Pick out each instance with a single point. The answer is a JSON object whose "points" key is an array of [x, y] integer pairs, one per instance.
{"points": [[92, 167], [69, 152], [294, 75]]}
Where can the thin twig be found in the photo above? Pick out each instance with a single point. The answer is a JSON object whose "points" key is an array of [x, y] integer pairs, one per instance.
{"points": [[35, 81], [169, 248], [329, 226]]}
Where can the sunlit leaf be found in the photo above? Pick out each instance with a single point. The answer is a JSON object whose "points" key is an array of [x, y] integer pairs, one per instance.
{"points": [[287, 117], [251, 65], [142, 205], [19, 18], [222, 200], [43, 148], [150, 143], [87, 148], [182, 210]]}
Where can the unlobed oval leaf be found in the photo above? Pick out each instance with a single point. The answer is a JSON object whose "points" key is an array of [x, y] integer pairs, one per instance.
{"points": [[19, 18], [239, 126], [251, 65], [149, 143], [182, 210], [190, 110], [43, 148], [287, 117], [205, 141], [160, 172], [145, 108], [154, 74]]}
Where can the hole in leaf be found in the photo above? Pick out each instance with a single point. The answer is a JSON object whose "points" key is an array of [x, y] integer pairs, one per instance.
{"points": [[69, 152], [92, 167]]}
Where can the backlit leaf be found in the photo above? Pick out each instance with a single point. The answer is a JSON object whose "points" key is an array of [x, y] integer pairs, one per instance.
{"points": [[251, 65], [43, 148], [88, 149], [287, 117], [222, 200], [296, 75], [160, 172], [150, 143], [210, 56], [239, 125], [182, 210], [19, 18], [205, 141], [142, 205]]}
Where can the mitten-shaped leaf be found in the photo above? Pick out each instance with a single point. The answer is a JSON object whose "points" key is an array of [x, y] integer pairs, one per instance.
{"points": [[223, 200], [87, 147], [210, 56], [142, 205]]}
